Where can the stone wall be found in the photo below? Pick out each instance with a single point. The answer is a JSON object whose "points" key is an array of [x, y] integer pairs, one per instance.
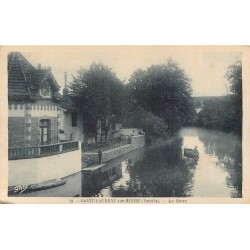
{"points": [[24, 123], [16, 125], [136, 142], [113, 153], [54, 130], [129, 131], [16, 131], [89, 159], [35, 131]]}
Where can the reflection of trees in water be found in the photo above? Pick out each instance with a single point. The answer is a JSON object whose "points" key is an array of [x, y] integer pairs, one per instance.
{"points": [[93, 183], [162, 173], [228, 149]]}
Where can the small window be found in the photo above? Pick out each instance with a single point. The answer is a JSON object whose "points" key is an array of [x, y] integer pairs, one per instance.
{"points": [[74, 119]]}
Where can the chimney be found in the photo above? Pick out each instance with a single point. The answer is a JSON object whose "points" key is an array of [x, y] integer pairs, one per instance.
{"points": [[65, 80], [39, 66]]}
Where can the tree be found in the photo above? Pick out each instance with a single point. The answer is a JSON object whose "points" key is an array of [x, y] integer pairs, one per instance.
{"points": [[234, 76], [153, 126], [98, 94], [165, 91], [225, 113], [217, 114]]}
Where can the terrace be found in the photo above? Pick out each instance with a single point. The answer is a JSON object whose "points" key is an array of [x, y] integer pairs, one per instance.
{"points": [[34, 165], [42, 151]]}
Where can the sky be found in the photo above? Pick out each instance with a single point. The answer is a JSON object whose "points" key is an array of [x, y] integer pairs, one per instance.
{"points": [[206, 66]]}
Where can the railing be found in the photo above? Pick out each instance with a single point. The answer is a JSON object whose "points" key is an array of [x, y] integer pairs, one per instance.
{"points": [[42, 151], [109, 145], [69, 146], [49, 149], [22, 152]]}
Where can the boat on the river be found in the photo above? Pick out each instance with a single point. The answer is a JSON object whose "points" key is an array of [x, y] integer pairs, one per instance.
{"points": [[191, 153]]}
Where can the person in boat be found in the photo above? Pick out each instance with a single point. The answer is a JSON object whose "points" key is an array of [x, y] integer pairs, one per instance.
{"points": [[197, 155]]}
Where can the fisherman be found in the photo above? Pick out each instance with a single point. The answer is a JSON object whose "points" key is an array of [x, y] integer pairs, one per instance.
{"points": [[196, 157], [100, 156]]}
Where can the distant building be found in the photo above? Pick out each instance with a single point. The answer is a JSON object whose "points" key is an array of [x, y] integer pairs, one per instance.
{"points": [[33, 99], [71, 120], [199, 101]]}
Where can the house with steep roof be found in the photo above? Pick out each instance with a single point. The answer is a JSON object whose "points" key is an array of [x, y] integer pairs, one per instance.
{"points": [[33, 98], [36, 154]]}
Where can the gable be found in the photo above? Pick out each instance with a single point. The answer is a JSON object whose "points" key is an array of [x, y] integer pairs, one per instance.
{"points": [[17, 87], [26, 83]]}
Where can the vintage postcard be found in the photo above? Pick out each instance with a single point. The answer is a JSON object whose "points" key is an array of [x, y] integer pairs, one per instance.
{"points": [[124, 124]]}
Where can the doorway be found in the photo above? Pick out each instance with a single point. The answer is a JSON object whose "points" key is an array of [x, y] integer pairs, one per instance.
{"points": [[45, 131]]}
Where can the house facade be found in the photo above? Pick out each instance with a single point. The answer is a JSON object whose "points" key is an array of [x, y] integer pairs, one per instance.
{"points": [[71, 120], [36, 155], [33, 100], [71, 125]]}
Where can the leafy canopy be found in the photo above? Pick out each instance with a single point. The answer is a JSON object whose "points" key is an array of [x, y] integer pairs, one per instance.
{"points": [[98, 94], [165, 91]]}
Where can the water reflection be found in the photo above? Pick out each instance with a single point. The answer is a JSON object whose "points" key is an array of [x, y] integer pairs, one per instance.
{"points": [[227, 152], [114, 175], [161, 170], [160, 174]]}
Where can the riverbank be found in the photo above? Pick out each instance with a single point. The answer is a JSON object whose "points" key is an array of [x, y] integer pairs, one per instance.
{"points": [[158, 170], [92, 159]]}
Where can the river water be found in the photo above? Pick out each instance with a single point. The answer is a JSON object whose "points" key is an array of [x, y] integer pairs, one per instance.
{"points": [[162, 171]]}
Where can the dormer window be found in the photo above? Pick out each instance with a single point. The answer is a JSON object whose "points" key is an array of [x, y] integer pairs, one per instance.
{"points": [[45, 90]]}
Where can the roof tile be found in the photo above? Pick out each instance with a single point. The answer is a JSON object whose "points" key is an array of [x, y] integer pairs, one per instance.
{"points": [[24, 80]]}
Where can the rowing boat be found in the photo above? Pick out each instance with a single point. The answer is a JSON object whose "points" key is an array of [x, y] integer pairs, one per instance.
{"points": [[191, 153]]}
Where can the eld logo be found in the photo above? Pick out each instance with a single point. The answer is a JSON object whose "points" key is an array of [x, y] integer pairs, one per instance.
{"points": [[20, 188]]}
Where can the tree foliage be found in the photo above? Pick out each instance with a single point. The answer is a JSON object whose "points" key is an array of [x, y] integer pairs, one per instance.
{"points": [[234, 76], [153, 126], [165, 91], [217, 114], [157, 99], [226, 113], [98, 94]]}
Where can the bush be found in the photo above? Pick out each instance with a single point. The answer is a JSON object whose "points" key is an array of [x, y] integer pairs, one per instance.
{"points": [[153, 126]]}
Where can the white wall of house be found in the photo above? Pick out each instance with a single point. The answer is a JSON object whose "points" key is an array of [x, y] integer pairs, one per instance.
{"points": [[41, 109], [130, 131], [37, 170], [70, 133], [16, 110]]}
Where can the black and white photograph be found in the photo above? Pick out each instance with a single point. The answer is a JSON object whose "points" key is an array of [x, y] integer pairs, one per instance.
{"points": [[124, 124], [125, 121]]}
